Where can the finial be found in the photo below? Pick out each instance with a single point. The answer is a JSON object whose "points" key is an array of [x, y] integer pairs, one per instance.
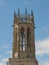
{"points": [[18, 12], [26, 11], [14, 14], [31, 13]]}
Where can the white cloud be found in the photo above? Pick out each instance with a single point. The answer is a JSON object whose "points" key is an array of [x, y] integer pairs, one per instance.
{"points": [[1, 63], [42, 47], [44, 63], [5, 60]]}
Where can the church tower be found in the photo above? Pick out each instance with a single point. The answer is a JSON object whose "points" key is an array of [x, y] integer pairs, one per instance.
{"points": [[23, 46]]}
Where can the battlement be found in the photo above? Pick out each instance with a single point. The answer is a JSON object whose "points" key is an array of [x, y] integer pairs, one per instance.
{"points": [[24, 17]]}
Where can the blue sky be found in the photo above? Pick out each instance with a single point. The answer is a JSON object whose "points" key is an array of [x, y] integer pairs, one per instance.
{"points": [[41, 19]]}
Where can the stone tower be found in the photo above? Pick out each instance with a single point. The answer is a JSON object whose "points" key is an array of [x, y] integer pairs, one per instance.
{"points": [[23, 46]]}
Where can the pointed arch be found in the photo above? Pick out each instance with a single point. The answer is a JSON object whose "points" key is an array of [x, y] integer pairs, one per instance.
{"points": [[22, 39]]}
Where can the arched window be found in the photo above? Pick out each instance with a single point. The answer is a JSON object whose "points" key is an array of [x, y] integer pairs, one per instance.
{"points": [[22, 39], [28, 34], [28, 39]]}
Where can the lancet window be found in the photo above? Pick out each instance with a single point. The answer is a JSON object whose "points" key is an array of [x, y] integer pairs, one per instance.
{"points": [[22, 39]]}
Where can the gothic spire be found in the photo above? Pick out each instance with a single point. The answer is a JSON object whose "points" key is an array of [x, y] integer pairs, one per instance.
{"points": [[14, 14], [18, 11], [31, 13], [26, 11]]}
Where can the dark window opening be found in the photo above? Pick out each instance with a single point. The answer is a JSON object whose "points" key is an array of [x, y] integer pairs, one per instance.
{"points": [[28, 40]]}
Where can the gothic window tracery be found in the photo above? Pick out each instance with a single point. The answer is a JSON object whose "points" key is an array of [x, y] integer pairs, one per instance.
{"points": [[22, 39]]}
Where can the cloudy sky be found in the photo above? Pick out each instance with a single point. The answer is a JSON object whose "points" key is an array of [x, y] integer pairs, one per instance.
{"points": [[41, 19]]}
